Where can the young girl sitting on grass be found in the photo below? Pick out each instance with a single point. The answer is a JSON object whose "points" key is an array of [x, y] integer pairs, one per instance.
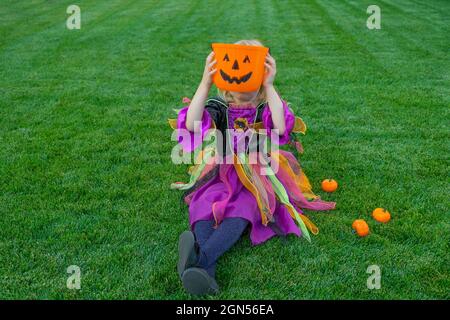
{"points": [[225, 198]]}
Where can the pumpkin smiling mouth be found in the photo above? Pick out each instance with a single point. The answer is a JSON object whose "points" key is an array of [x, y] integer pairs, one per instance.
{"points": [[229, 79]]}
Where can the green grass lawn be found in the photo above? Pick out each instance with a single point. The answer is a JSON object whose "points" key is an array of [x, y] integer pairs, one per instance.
{"points": [[85, 148]]}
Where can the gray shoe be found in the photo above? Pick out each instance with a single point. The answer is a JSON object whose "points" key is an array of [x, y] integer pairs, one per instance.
{"points": [[187, 252], [197, 281]]}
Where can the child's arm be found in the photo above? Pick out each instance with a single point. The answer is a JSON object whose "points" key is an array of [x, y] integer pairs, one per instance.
{"points": [[273, 99], [197, 105]]}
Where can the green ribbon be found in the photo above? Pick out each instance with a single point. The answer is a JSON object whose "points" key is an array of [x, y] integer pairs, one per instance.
{"points": [[282, 195], [208, 152]]}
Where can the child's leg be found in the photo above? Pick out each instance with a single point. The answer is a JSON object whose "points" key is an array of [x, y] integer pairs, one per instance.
{"points": [[203, 230], [223, 238], [197, 280]]}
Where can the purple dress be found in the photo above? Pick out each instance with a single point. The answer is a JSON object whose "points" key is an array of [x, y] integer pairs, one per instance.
{"points": [[225, 196]]}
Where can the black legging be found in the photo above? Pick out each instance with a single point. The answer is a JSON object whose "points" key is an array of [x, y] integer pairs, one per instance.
{"points": [[215, 242]]}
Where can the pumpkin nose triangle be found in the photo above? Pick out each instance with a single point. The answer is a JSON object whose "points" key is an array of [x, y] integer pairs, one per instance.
{"points": [[235, 65]]}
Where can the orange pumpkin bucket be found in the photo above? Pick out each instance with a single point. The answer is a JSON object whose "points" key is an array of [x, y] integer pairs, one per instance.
{"points": [[240, 68]]}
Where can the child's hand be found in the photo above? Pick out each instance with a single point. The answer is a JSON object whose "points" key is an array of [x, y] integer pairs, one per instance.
{"points": [[209, 70], [271, 70]]}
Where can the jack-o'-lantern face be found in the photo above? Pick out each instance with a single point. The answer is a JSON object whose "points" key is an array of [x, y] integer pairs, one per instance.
{"points": [[240, 68]]}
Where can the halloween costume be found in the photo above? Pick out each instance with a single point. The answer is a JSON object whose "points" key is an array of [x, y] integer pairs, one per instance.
{"points": [[272, 202]]}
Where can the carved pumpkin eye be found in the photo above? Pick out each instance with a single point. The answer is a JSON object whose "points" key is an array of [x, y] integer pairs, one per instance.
{"points": [[226, 58], [247, 59]]}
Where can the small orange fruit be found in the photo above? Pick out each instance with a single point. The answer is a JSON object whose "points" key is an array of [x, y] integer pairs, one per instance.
{"points": [[329, 185], [381, 215], [361, 227]]}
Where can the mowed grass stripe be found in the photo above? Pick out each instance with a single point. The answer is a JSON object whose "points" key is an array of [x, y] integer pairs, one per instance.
{"points": [[86, 151]]}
